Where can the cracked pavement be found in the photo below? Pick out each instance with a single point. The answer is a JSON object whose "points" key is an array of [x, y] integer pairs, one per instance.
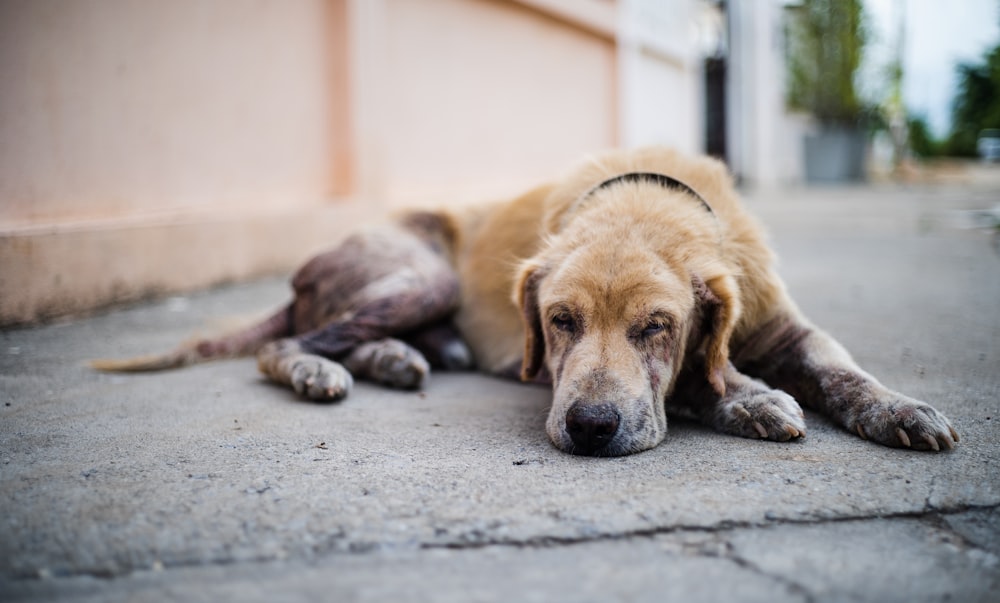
{"points": [[211, 484]]}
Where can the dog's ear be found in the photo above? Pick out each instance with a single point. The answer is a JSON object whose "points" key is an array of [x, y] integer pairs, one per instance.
{"points": [[526, 297], [719, 301]]}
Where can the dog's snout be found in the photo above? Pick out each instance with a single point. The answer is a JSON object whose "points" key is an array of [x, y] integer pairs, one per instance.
{"points": [[592, 426]]}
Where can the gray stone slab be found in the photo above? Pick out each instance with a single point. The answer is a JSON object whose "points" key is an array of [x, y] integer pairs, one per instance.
{"points": [[645, 569], [856, 560], [874, 560], [977, 528]]}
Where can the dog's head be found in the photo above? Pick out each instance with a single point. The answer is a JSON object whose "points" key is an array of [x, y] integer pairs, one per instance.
{"points": [[612, 305]]}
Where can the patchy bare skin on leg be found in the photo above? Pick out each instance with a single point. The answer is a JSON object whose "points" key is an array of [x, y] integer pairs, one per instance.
{"points": [[380, 283], [389, 362], [749, 408], [311, 376], [818, 371], [351, 301]]}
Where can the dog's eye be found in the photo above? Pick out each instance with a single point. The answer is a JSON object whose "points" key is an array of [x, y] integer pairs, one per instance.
{"points": [[564, 321], [653, 328]]}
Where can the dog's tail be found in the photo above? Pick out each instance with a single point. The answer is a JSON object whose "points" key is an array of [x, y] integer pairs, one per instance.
{"points": [[241, 343]]}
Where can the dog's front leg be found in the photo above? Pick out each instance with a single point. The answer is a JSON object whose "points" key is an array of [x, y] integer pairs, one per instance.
{"points": [[748, 408], [792, 355]]}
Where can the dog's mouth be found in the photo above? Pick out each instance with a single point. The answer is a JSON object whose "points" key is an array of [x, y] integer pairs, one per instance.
{"points": [[603, 451], [615, 447]]}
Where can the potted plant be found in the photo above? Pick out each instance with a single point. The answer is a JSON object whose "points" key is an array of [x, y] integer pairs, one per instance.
{"points": [[826, 40]]}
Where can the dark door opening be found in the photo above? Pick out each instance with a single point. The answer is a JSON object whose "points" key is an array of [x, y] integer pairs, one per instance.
{"points": [[715, 107]]}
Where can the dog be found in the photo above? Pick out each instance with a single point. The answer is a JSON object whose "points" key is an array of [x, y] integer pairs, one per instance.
{"points": [[637, 286]]}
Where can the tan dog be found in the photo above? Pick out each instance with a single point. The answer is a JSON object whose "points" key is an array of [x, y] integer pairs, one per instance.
{"points": [[638, 285]]}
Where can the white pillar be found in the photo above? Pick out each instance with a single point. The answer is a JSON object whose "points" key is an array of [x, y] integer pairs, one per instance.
{"points": [[756, 106], [659, 70]]}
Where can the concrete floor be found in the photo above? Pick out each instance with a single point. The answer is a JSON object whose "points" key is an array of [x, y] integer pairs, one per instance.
{"points": [[210, 484]]}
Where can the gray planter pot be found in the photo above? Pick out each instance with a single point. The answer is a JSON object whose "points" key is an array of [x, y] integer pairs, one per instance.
{"points": [[835, 155]]}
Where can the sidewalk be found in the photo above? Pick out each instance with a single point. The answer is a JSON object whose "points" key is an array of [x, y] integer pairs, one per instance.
{"points": [[210, 484]]}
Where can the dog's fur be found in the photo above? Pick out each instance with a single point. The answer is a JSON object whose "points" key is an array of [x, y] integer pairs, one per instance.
{"points": [[633, 300]]}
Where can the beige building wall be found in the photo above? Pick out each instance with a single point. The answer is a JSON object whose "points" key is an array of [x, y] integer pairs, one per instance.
{"points": [[133, 108], [660, 81], [152, 147], [486, 98]]}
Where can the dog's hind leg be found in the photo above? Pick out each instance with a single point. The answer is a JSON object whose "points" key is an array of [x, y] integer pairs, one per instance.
{"points": [[352, 304], [383, 282], [389, 361], [386, 361], [318, 364]]}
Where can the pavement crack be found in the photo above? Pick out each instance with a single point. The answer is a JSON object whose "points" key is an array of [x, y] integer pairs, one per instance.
{"points": [[481, 541], [793, 587], [949, 534], [928, 505], [341, 544]]}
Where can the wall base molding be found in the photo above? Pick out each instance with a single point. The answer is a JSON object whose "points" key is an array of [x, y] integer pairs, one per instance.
{"points": [[50, 273]]}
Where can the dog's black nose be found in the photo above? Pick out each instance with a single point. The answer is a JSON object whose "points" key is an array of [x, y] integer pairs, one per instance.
{"points": [[591, 426]]}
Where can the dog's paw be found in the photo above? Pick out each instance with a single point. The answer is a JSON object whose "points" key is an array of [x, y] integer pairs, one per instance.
{"points": [[319, 379], [456, 356], [390, 362], [768, 415], [398, 365], [905, 423]]}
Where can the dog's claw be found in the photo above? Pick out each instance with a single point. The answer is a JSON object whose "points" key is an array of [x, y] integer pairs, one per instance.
{"points": [[861, 432], [903, 438], [932, 442], [760, 429]]}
